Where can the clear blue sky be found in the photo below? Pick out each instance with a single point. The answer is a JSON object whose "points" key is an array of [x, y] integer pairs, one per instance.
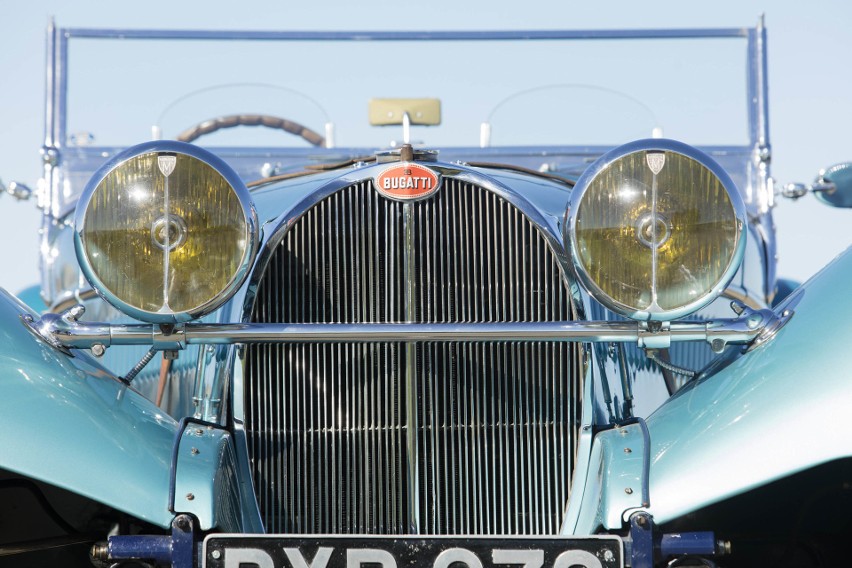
{"points": [[809, 47]]}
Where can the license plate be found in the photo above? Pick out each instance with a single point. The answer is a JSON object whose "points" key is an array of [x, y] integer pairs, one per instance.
{"points": [[313, 551]]}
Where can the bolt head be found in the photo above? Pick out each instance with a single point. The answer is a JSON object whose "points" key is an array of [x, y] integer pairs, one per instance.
{"points": [[76, 312], [49, 156], [182, 523], [754, 320]]}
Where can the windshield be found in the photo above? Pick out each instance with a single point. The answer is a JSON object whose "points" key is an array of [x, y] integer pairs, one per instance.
{"points": [[542, 92]]}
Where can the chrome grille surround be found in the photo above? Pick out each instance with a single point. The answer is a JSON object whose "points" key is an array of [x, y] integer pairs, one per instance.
{"points": [[443, 438]]}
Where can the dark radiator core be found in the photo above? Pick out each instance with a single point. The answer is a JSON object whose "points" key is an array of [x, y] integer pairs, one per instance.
{"points": [[496, 423]]}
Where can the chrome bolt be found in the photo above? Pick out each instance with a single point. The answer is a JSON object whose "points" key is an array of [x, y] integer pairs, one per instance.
{"points": [[74, 313], [608, 556], [628, 490], [737, 307], [199, 432], [99, 551], [98, 350], [49, 155], [190, 496], [628, 451], [216, 554], [754, 320], [194, 451]]}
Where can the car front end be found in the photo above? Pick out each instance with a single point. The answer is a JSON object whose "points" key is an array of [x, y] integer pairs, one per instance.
{"points": [[421, 354]]}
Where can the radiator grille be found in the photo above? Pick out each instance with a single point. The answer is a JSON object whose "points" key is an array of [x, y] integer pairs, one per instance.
{"points": [[496, 423]]}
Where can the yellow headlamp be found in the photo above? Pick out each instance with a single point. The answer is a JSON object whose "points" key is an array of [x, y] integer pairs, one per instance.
{"points": [[656, 230], [165, 232]]}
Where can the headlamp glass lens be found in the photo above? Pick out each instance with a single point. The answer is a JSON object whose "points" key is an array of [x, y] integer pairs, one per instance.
{"points": [[165, 233], [656, 231]]}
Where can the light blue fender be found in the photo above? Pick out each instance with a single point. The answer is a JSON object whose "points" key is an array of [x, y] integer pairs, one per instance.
{"points": [[780, 409], [66, 421]]}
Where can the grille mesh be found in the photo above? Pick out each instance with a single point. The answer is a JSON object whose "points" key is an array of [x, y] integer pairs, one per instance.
{"points": [[496, 427]]}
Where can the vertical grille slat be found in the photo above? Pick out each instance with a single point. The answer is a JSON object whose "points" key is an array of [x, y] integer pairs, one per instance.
{"points": [[495, 425]]}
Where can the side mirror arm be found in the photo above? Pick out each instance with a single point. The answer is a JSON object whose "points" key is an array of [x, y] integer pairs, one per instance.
{"points": [[17, 190], [796, 190]]}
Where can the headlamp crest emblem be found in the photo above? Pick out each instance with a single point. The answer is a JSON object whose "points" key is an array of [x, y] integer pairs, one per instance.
{"points": [[656, 161]]}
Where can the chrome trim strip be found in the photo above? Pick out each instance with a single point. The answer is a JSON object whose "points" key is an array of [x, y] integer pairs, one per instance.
{"points": [[522, 35], [50, 115], [738, 330], [762, 88], [64, 329], [411, 407], [61, 97]]}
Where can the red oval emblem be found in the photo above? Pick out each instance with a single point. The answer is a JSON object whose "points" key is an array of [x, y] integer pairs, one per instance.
{"points": [[407, 180]]}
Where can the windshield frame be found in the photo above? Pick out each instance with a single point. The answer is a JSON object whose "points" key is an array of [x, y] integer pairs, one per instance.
{"points": [[59, 39]]}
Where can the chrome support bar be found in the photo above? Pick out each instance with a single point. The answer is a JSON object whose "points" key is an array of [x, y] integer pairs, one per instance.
{"points": [[797, 190], [411, 406], [64, 331]]}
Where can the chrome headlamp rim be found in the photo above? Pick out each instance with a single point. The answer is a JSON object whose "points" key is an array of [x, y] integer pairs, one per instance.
{"points": [[604, 162], [240, 191]]}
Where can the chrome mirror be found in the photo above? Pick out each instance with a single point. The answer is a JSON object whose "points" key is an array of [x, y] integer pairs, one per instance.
{"points": [[838, 179]]}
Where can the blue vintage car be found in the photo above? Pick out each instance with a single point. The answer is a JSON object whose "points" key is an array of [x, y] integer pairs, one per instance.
{"points": [[508, 323]]}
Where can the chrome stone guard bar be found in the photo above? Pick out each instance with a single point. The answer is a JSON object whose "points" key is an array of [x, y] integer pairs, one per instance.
{"points": [[64, 331]]}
